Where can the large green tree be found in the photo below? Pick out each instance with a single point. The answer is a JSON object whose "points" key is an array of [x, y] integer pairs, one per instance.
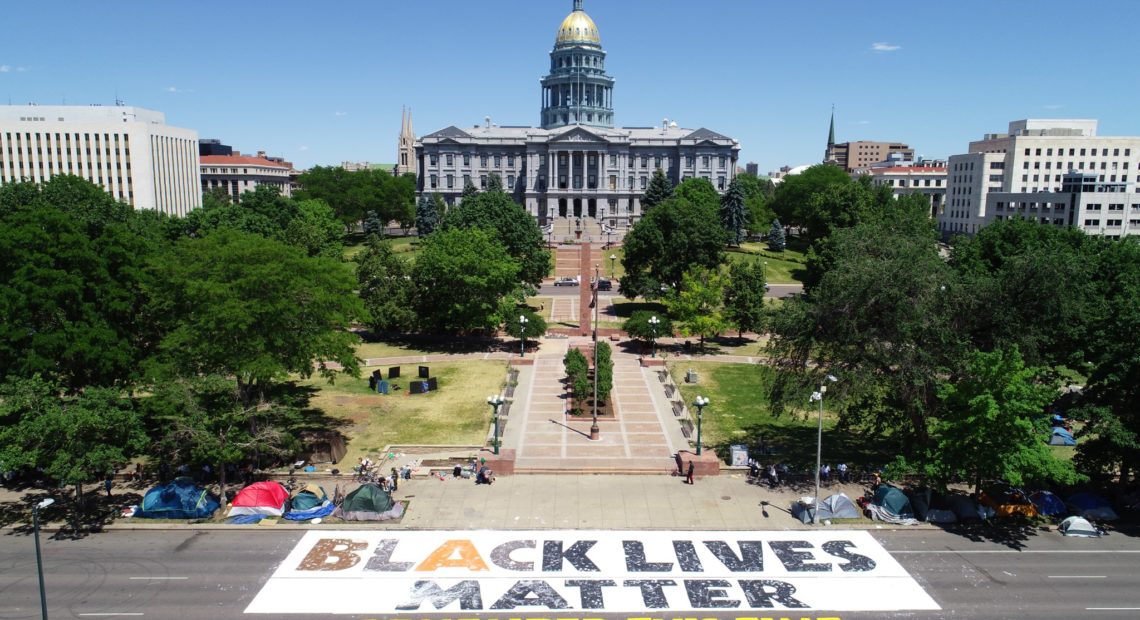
{"points": [[659, 190], [698, 304], [733, 214], [667, 241], [251, 308], [427, 218], [496, 213], [796, 190], [463, 278], [744, 296], [640, 325], [992, 427], [386, 288], [315, 229], [698, 191]]}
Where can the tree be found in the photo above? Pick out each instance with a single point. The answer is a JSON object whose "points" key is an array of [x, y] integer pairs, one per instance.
{"points": [[698, 191], [533, 328], [993, 427], [315, 230], [516, 229], [495, 183], [577, 376], [659, 190], [70, 294], [733, 215], [73, 439], [604, 371], [667, 240], [699, 302], [204, 420], [640, 326], [776, 240], [794, 192], [469, 190], [427, 218], [463, 277], [251, 308], [386, 288], [744, 296], [372, 224]]}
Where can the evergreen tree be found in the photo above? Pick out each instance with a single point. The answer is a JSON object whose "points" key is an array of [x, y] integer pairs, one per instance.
{"points": [[373, 225], [733, 214], [495, 183], [776, 240], [427, 218], [468, 189], [659, 190], [604, 372]]}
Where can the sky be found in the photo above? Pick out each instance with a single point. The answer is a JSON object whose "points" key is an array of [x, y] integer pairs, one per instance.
{"points": [[321, 83]]}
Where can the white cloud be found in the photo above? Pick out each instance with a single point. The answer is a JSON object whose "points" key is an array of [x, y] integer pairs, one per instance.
{"points": [[885, 47], [340, 113], [176, 90], [302, 148], [5, 68]]}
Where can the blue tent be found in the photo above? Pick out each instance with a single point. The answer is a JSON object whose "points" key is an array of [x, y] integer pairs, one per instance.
{"points": [[181, 499], [1062, 437], [1047, 503], [1091, 506]]}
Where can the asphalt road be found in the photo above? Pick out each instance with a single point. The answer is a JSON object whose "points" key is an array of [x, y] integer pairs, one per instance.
{"points": [[188, 575], [775, 291]]}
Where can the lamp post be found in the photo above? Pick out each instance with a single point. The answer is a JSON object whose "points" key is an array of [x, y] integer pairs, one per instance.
{"points": [[653, 321], [613, 257], [700, 403], [818, 396], [595, 432], [522, 335], [39, 561], [495, 401]]}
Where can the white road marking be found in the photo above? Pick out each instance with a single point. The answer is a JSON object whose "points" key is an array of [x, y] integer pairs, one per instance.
{"points": [[1078, 577], [1112, 608], [157, 578], [114, 613]]}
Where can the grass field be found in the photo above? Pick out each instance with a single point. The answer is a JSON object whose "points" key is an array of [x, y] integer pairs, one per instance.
{"points": [[787, 267], [738, 412], [456, 414], [407, 247]]}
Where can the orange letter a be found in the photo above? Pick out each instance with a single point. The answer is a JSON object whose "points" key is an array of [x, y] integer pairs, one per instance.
{"points": [[468, 558]]}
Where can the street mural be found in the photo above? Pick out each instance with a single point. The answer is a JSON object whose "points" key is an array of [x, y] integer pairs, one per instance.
{"points": [[399, 573]]}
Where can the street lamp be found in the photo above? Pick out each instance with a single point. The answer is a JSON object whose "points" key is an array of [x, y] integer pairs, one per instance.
{"points": [[700, 403], [653, 321], [818, 396], [522, 335], [39, 561], [595, 432], [495, 401], [613, 257]]}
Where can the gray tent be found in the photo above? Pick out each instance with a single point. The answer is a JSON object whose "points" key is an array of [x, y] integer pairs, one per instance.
{"points": [[838, 506], [1078, 526]]}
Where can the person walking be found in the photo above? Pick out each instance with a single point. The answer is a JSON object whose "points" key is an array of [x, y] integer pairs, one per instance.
{"points": [[773, 477], [842, 469], [689, 475], [107, 484], [395, 480]]}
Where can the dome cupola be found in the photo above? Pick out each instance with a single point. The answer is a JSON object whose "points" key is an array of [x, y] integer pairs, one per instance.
{"points": [[578, 29]]}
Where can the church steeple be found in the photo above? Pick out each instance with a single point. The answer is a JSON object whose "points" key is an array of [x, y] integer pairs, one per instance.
{"points": [[406, 150], [829, 154]]}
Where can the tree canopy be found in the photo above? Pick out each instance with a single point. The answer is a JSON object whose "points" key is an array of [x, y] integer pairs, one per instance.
{"points": [[496, 213], [668, 240], [733, 214], [744, 296], [386, 287], [659, 190], [462, 279]]}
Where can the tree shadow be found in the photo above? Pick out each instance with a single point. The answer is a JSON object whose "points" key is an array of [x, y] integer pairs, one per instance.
{"points": [[624, 310], [449, 344], [1012, 533], [97, 511]]}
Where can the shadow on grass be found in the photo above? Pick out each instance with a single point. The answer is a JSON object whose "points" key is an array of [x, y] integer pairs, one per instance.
{"points": [[424, 343], [626, 309], [795, 446]]}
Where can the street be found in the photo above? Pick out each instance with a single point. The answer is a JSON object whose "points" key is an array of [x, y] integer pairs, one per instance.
{"points": [[775, 291], [192, 574]]}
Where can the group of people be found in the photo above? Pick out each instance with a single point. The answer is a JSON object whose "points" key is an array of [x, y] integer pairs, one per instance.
{"points": [[773, 473]]}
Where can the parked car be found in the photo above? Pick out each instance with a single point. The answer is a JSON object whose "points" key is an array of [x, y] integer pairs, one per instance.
{"points": [[566, 281], [605, 285]]}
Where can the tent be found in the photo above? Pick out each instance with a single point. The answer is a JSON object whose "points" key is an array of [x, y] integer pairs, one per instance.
{"points": [[1007, 502], [1077, 526], [309, 497], [893, 499], [369, 503], [181, 499], [1091, 506], [838, 506], [920, 502], [260, 498], [1047, 503], [963, 506], [1062, 437]]}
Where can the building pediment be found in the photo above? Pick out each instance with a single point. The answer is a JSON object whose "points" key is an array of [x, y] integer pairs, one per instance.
{"points": [[452, 132], [706, 134], [578, 135]]}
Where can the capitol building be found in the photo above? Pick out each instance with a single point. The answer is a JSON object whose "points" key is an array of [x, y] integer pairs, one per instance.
{"points": [[576, 163]]}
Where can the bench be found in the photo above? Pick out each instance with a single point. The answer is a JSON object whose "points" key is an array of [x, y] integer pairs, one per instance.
{"points": [[678, 408], [669, 390], [662, 376], [687, 429]]}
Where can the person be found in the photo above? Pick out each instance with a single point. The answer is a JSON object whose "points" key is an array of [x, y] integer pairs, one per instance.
{"points": [[485, 476], [876, 480], [825, 472], [842, 468], [773, 477], [107, 484], [457, 471], [689, 475], [365, 464], [753, 468], [395, 482]]}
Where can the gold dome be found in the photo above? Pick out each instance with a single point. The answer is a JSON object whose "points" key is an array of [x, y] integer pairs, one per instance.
{"points": [[578, 28]]}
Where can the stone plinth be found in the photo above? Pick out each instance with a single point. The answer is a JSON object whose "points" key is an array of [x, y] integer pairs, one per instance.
{"points": [[503, 463], [707, 464], [651, 362]]}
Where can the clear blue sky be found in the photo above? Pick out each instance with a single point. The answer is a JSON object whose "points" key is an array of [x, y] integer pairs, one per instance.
{"points": [[319, 83]]}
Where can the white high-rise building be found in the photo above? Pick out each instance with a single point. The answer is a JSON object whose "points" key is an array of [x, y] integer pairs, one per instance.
{"points": [[1056, 172], [130, 152]]}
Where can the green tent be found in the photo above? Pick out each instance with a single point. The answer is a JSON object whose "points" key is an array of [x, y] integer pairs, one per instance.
{"points": [[308, 498], [893, 499], [369, 503]]}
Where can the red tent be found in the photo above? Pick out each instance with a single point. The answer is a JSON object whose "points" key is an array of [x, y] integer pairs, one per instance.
{"points": [[260, 498]]}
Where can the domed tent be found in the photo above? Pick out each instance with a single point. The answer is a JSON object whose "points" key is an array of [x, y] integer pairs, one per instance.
{"points": [[1091, 506], [1077, 526], [1047, 503], [1062, 437], [891, 505], [838, 506], [260, 498], [307, 498], [369, 503], [180, 499], [1007, 502]]}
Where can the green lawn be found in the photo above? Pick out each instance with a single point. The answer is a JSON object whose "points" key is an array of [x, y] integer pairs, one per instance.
{"points": [[457, 414], [367, 350], [787, 267], [403, 246], [738, 412]]}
